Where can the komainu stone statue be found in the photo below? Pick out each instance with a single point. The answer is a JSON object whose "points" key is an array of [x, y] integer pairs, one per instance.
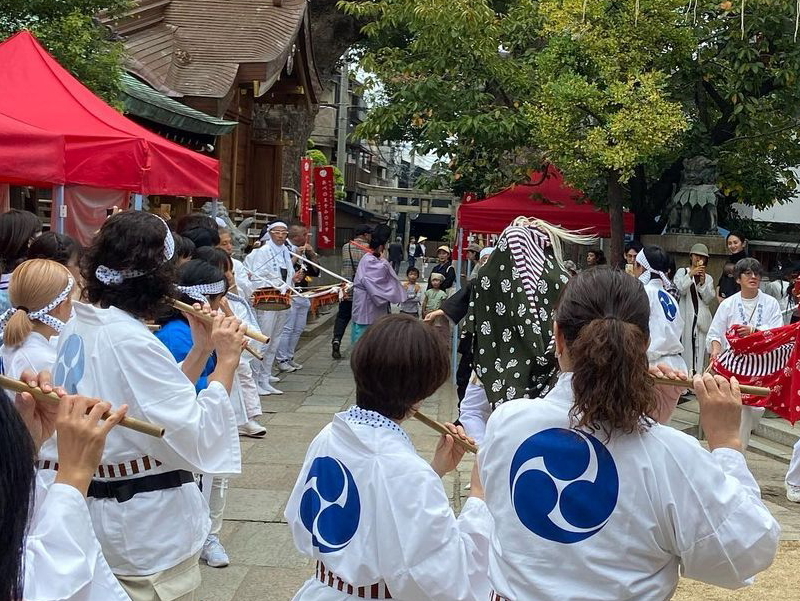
{"points": [[693, 209]]}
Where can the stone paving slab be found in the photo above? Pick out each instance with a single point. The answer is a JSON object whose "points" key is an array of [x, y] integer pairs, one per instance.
{"points": [[255, 505]]}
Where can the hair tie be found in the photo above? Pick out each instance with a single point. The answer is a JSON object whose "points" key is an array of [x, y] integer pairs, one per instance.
{"points": [[21, 308]]}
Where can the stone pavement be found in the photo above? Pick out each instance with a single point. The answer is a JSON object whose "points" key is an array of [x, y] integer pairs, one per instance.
{"points": [[264, 563]]}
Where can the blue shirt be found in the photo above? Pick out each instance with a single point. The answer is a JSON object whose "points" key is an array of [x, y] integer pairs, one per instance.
{"points": [[176, 335]]}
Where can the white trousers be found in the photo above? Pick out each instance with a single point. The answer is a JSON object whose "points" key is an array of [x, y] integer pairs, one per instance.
{"points": [[216, 502], [750, 418], [293, 329], [475, 411], [271, 324], [793, 475], [248, 389]]}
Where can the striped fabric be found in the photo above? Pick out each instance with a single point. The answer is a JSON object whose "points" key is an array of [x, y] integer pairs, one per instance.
{"points": [[119, 470], [495, 597], [370, 591]]}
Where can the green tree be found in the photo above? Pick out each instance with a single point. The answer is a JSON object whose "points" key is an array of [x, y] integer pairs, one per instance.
{"points": [[70, 31], [615, 93]]}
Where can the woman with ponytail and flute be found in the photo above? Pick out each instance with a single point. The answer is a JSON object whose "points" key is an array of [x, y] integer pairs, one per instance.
{"points": [[591, 497], [148, 513]]}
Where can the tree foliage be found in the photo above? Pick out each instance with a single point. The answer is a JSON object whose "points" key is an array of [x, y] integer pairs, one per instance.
{"points": [[71, 33], [615, 93]]}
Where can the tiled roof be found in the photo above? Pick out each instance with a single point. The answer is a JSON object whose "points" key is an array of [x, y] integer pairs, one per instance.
{"points": [[198, 45]]}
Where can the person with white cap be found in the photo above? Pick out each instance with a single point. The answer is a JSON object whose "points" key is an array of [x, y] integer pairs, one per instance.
{"points": [[666, 323], [697, 291], [271, 265]]}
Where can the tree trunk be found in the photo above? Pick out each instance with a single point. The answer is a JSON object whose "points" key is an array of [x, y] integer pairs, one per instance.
{"points": [[615, 197]]}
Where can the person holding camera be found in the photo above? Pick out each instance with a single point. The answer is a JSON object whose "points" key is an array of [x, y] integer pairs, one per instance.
{"points": [[696, 288]]}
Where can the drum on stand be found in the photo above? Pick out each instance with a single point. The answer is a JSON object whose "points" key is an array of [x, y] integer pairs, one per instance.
{"points": [[271, 299]]}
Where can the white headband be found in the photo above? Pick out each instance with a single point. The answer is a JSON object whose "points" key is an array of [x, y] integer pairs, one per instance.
{"points": [[198, 291], [43, 314], [117, 276], [272, 226], [642, 260]]}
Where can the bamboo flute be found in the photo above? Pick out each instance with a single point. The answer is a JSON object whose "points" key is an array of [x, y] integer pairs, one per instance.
{"points": [[754, 390], [50, 397], [181, 306], [440, 428]]}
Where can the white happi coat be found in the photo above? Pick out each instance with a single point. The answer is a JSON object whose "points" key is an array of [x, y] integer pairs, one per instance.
{"points": [[578, 518], [666, 327], [63, 561], [36, 353], [108, 354], [374, 512], [696, 323], [731, 311]]}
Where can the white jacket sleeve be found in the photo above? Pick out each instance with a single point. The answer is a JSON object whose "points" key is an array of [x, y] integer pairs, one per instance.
{"points": [[773, 318], [719, 326], [63, 560], [682, 280], [428, 553], [707, 290], [723, 533]]}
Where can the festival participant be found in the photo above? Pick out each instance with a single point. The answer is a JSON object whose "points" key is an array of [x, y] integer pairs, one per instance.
{"points": [[444, 267], [17, 230], [271, 265], [184, 250], [202, 236], [195, 220], [375, 286], [352, 253], [594, 500], [666, 322], [147, 511], [298, 312], [746, 312], [367, 508], [245, 384], [48, 550], [696, 288], [40, 305], [61, 249]]}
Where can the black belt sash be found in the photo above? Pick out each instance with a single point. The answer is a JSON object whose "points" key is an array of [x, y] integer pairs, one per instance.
{"points": [[124, 490]]}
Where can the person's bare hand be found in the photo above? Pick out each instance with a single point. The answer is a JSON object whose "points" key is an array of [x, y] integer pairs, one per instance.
{"points": [[201, 331], [744, 330], [433, 315], [82, 438], [228, 338], [662, 370], [720, 410], [666, 394], [448, 454], [39, 416]]}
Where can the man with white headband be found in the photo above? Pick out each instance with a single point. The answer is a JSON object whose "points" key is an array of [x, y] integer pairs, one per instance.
{"points": [[666, 322], [270, 265]]}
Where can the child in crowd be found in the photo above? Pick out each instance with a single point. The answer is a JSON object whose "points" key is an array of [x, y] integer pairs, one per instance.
{"points": [[411, 305], [434, 296], [372, 512]]}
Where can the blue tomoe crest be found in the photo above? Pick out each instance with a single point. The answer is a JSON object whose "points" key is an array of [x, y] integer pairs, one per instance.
{"points": [[70, 364], [330, 508], [564, 485], [668, 304]]}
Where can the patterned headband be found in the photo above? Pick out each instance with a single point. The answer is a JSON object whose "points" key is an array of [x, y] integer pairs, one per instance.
{"points": [[641, 259], [117, 276], [198, 291], [43, 314]]}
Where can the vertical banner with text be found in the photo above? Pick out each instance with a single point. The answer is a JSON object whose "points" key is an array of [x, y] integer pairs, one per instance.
{"points": [[324, 191], [306, 165]]}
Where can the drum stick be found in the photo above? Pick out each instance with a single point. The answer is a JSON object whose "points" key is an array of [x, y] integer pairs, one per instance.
{"points": [[321, 268], [181, 306], [441, 429], [52, 398], [754, 390]]}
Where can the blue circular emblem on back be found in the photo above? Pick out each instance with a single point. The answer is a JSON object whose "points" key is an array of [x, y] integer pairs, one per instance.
{"points": [[330, 508], [70, 364], [564, 485], [668, 304]]}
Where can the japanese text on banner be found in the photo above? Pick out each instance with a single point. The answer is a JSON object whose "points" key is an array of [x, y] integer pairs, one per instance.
{"points": [[306, 164], [324, 191]]}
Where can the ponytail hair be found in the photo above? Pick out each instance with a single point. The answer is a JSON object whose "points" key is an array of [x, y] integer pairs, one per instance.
{"points": [[604, 317], [35, 284]]}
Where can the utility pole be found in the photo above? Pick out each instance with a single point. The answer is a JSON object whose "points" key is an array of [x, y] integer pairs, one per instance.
{"points": [[344, 105]]}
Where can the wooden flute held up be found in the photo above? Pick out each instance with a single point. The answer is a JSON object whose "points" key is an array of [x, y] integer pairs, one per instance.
{"points": [[441, 429], [51, 397], [754, 390], [181, 306]]}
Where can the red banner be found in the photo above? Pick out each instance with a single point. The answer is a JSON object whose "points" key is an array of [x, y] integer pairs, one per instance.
{"points": [[324, 192], [306, 164]]}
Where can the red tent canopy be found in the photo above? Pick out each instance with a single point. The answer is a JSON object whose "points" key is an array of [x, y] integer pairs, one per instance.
{"points": [[102, 148], [38, 154], [552, 201]]}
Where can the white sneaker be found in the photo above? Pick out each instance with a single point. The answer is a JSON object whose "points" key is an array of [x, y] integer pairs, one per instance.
{"points": [[295, 365], [286, 366], [252, 429], [273, 379], [213, 553], [270, 389], [793, 492]]}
